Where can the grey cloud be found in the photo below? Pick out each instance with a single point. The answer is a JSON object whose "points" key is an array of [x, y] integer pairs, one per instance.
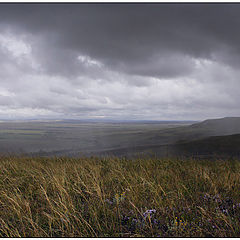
{"points": [[168, 66], [151, 61], [126, 35]]}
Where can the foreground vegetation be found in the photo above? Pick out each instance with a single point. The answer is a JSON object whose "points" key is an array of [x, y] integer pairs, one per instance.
{"points": [[62, 197]]}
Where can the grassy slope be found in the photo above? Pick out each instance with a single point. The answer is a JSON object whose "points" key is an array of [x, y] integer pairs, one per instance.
{"points": [[110, 197], [228, 145]]}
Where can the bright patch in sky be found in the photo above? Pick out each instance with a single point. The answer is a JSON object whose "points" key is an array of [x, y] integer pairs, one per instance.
{"points": [[87, 61], [14, 45]]}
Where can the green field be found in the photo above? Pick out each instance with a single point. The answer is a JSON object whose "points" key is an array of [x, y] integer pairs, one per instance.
{"points": [[113, 197], [19, 131]]}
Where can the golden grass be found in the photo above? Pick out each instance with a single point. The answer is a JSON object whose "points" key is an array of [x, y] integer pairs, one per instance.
{"points": [[111, 197]]}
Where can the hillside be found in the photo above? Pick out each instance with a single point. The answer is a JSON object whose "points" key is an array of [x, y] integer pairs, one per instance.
{"points": [[197, 139], [196, 131], [222, 126], [227, 145]]}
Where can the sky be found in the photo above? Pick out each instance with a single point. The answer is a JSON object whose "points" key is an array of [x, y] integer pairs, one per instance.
{"points": [[119, 61]]}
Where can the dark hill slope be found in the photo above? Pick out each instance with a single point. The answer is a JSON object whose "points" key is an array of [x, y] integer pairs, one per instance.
{"points": [[227, 145], [216, 145]]}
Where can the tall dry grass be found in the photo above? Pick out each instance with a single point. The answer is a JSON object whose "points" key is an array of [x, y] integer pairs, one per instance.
{"points": [[111, 197]]}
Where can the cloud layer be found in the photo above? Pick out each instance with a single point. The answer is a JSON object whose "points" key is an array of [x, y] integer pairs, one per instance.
{"points": [[119, 61]]}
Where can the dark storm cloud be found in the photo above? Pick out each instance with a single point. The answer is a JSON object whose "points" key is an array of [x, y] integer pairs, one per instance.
{"points": [[120, 60], [126, 36]]}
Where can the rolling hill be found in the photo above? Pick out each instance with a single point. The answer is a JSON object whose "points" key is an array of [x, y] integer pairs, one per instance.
{"points": [[213, 136]]}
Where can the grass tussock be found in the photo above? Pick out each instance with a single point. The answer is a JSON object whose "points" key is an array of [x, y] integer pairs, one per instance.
{"points": [[62, 197]]}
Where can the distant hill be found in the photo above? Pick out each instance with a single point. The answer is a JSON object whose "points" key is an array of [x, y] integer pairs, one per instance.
{"points": [[213, 136], [207, 128], [222, 126]]}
